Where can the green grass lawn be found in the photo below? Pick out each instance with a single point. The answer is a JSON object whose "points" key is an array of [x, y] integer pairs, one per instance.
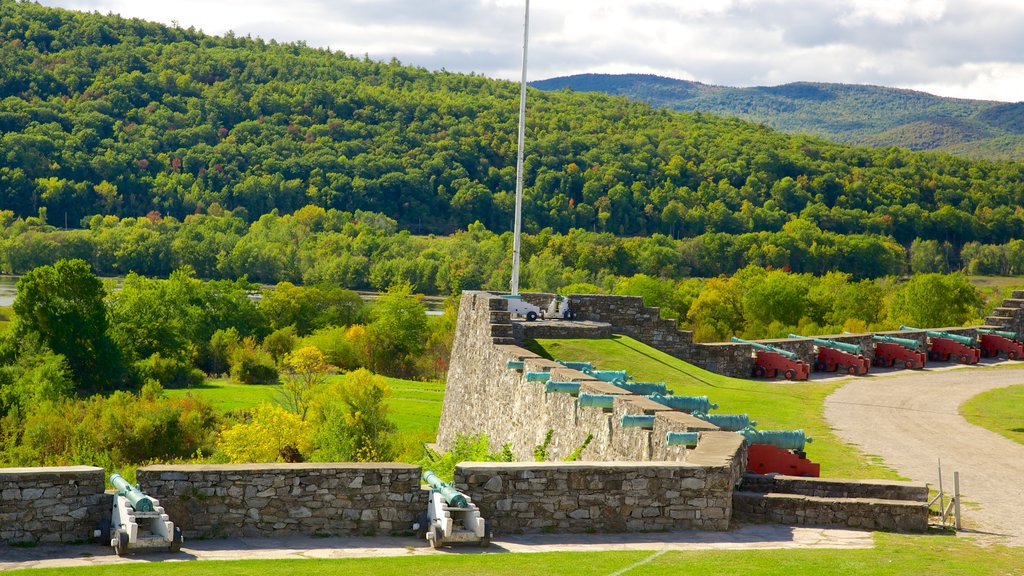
{"points": [[1000, 410], [775, 405], [415, 406], [893, 555]]}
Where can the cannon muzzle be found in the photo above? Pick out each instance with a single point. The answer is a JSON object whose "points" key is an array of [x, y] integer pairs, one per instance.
{"points": [[638, 421], [562, 387], [689, 439], [452, 496], [538, 376], [139, 501]]}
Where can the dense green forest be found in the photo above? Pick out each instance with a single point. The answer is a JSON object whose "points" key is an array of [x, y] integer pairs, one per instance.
{"points": [[103, 115], [852, 114]]}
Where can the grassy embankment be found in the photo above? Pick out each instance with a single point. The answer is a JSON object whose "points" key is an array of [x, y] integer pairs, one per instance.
{"points": [[1000, 410], [893, 555], [775, 405]]}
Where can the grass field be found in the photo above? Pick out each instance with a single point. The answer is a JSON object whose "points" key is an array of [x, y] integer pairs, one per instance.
{"points": [[415, 406], [1000, 410], [893, 555], [778, 405]]}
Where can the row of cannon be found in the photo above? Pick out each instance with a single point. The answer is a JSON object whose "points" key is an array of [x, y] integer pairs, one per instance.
{"points": [[888, 351], [776, 450]]}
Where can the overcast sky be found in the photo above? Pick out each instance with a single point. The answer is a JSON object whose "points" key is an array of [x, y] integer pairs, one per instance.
{"points": [[960, 48]]}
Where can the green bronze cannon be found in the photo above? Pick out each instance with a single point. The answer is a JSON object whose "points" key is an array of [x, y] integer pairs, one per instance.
{"points": [[644, 421], [538, 376], [688, 404], [604, 401], [785, 439], [965, 340], [643, 388], [452, 496], [688, 439], [905, 342], [1003, 333], [829, 343], [609, 375], [728, 422], [139, 501], [585, 367], [767, 348], [562, 387]]}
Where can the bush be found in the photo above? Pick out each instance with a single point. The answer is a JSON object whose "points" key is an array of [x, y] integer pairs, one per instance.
{"points": [[251, 365], [169, 372]]}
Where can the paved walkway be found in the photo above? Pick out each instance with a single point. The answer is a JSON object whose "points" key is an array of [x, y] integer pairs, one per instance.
{"points": [[759, 537], [911, 420]]}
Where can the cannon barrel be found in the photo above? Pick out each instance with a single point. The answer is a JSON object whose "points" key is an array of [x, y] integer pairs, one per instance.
{"points": [[728, 422], [139, 501], [538, 376], [965, 340], [829, 343], [609, 375], [562, 387], [689, 404], [581, 366], [643, 388], [515, 364], [596, 400], [682, 438], [905, 342], [785, 439], [452, 496], [638, 421], [766, 348], [1003, 333]]}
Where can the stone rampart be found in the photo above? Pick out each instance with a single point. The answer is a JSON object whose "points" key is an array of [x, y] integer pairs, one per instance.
{"points": [[344, 499], [799, 510], [563, 497], [42, 505], [836, 487]]}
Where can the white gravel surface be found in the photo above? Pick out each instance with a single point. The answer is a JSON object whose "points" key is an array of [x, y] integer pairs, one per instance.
{"points": [[911, 420]]}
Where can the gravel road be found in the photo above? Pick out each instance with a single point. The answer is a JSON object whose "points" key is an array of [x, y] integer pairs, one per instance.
{"points": [[911, 420]]}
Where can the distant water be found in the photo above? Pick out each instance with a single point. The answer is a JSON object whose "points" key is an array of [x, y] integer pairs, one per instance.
{"points": [[7, 290]]}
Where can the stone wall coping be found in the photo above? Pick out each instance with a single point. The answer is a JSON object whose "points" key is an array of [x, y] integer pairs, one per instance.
{"points": [[50, 470], [722, 344], [518, 352], [828, 500], [837, 481], [564, 374], [601, 387], [689, 421], [643, 403], [280, 467], [715, 449], [576, 466]]}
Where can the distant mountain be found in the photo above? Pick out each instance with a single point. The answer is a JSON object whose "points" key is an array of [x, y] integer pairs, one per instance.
{"points": [[852, 114]]}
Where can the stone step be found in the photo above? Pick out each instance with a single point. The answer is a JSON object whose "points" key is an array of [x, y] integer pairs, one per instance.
{"points": [[501, 330], [1017, 295], [997, 321], [1013, 303], [1003, 311], [502, 340], [501, 317]]}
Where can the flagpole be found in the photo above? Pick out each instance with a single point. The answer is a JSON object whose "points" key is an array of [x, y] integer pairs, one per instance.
{"points": [[519, 159]]}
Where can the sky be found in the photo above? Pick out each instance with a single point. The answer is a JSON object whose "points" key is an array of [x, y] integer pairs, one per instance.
{"points": [[957, 48]]}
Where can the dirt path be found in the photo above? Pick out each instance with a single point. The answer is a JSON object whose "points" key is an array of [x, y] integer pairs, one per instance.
{"points": [[911, 420]]}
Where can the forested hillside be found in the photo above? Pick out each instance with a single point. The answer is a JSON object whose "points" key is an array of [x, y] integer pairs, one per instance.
{"points": [[853, 114], [102, 115]]}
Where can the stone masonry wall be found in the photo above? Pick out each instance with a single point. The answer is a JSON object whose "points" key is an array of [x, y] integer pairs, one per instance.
{"points": [[346, 499], [52, 504], [836, 487], [799, 510], [562, 497]]}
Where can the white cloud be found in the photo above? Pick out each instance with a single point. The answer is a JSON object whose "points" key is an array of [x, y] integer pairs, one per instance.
{"points": [[965, 48]]}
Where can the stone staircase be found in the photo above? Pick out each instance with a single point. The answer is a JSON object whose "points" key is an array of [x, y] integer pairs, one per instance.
{"points": [[1009, 316], [831, 502]]}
